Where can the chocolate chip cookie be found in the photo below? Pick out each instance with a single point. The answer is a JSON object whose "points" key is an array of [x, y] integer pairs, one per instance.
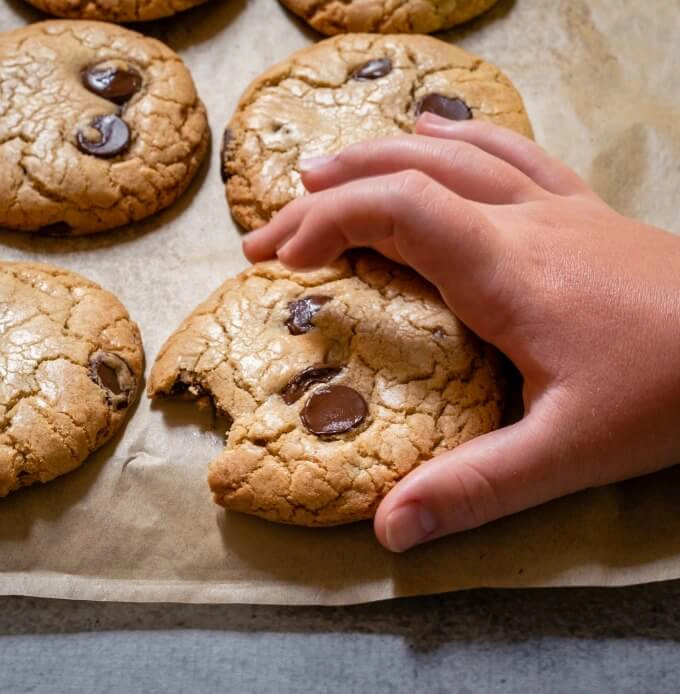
{"points": [[338, 383], [71, 362], [99, 127], [114, 10], [343, 90], [386, 16]]}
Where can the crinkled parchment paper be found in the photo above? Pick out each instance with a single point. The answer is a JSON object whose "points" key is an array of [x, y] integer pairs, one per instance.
{"points": [[136, 522]]}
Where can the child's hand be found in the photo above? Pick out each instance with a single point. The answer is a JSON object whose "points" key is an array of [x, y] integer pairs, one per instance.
{"points": [[585, 302]]}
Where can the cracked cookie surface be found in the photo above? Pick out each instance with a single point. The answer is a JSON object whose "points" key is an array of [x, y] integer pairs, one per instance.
{"points": [[71, 362], [341, 91], [114, 10], [386, 16], [99, 127], [338, 382]]}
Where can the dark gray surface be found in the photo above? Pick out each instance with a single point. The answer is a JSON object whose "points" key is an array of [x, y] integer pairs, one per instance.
{"points": [[566, 640]]}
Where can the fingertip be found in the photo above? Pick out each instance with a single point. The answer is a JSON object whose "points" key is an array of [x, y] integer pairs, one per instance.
{"points": [[307, 164], [408, 524], [254, 245], [430, 122]]}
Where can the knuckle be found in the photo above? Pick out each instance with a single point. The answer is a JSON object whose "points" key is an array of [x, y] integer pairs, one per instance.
{"points": [[477, 494], [455, 153], [413, 183]]}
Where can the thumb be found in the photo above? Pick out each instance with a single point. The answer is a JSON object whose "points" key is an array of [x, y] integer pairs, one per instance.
{"points": [[492, 476]]}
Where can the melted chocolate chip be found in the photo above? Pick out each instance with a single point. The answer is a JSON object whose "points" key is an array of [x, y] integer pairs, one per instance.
{"points": [[108, 378], [187, 388], [224, 152], [114, 137], [333, 410], [116, 84], [373, 69], [444, 106], [56, 229], [112, 373], [302, 311], [299, 385]]}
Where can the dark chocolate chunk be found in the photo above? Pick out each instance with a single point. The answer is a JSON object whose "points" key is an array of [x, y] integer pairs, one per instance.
{"points": [[107, 377], [112, 373], [444, 106], [299, 385], [114, 137], [224, 153], [333, 410], [56, 229], [373, 69], [302, 311], [187, 388], [116, 84]]}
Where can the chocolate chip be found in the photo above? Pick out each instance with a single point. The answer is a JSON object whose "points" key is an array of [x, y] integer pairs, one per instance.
{"points": [[444, 106], [117, 84], [333, 410], [186, 387], [112, 373], [302, 311], [56, 229], [224, 152], [114, 137], [373, 69], [297, 387]]}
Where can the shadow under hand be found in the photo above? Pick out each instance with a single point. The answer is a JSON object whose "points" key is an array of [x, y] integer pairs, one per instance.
{"points": [[327, 559], [630, 527]]}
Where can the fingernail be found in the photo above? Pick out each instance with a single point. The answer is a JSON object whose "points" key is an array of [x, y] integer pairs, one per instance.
{"points": [[310, 163], [254, 234], [434, 119], [408, 525]]}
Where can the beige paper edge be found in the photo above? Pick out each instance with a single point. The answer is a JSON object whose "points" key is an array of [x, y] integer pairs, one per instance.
{"points": [[136, 522]]}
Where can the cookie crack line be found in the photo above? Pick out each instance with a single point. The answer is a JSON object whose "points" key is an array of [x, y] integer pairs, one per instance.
{"points": [[58, 405], [81, 187], [314, 103], [416, 405]]}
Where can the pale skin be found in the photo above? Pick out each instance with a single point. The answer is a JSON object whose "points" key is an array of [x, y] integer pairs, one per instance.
{"points": [[585, 302]]}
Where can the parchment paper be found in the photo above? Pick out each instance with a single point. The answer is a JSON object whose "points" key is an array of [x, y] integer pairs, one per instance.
{"points": [[136, 522]]}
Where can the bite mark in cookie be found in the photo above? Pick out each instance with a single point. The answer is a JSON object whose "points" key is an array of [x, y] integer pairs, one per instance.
{"points": [[326, 420]]}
